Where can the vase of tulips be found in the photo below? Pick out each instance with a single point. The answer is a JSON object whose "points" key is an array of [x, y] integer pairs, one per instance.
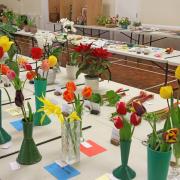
{"points": [[40, 82], [126, 129], [70, 97], [70, 130], [28, 153], [94, 63]]}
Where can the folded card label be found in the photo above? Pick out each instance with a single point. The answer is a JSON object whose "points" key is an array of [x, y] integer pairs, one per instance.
{"points": [[92, 149], [86, 144]]}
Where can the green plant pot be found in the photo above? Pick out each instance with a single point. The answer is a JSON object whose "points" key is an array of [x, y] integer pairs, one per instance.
{"points": [[124, 26], [124, 172], [28, 153], [4, 136], [158, 164], [40, 90]]}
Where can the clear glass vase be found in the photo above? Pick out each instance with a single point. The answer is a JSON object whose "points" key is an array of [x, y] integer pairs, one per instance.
{"points": [[70, 142]]}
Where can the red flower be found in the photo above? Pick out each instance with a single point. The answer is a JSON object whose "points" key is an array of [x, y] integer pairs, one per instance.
{"points": [[135, 119], [68, 96], [71, 86], [83, 48], [118, 122], [4, 69], [27, 67], [101, 53], [36, 53], [139, 108], [1, 52], [30, 75], [121, 108]]}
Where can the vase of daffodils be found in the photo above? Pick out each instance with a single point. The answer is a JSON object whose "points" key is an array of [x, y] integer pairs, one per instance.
{"points": [[40, 82], [70, 130]]}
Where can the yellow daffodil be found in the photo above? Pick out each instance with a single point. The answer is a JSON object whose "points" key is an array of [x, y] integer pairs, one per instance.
{"points": [[52, 61], [177, 73], [5, 43], [50, 109], [166, 92], [74, 117]]}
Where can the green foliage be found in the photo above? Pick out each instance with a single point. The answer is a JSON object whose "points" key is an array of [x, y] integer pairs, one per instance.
{"points": [[96, 98], [78, 106], [10, 15], [12, 51], [73, 59], [112, 98], [102, 20], [31, 22], [7, 29], [55, 52], [20, 20], [30, 112]]}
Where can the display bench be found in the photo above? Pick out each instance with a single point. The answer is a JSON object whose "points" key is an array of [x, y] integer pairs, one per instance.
{"points": [[99, 128]]}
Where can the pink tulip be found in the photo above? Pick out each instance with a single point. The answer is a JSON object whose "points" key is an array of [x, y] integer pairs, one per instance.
{"points": [[11, 75], [45, 65]]}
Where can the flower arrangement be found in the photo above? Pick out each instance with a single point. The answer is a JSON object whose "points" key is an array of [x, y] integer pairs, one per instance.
{"points": [[124, 22], [122, 122], [46, 64], [94, 61]]}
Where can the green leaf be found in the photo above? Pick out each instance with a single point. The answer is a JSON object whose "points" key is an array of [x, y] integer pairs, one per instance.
{"points": [[176, 149], [96, 98], [30, 112], [12, 51], [112, 97]]}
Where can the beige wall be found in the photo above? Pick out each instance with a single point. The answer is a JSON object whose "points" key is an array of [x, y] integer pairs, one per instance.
{"points": [[161, 12], [109, 7]]}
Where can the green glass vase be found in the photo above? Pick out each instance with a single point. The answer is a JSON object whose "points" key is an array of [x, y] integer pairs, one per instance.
{"points": [[124, 172], [4, 136], [158, 164], [28, 153], [40, 90]]}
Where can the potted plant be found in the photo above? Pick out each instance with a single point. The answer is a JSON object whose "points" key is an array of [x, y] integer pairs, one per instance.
{"points": [[136, 24], [112, 22], [95, 102], [8, 16], [32, 26], [124, 22], [72, 66], [102, 20], [126, 128], [21, 21], [94, 63]]}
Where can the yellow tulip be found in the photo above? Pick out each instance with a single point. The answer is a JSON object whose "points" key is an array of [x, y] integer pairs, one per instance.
{"points": [[5, 43], [177, 73], [52, 61], [74, 117], [166, 92]]}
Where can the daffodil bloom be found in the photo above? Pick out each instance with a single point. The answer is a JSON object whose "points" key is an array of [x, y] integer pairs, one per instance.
{"points": [[50, 109], [166, 92], [74, 117], [5, 43], [52, 61], [177, 73]]}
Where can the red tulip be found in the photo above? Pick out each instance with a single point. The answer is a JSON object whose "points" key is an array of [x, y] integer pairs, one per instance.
{"points": [[135, 120], [1, 52], [36, 53], [11, 75], [121, 108], [30, 75], [71, 86], [101, 53], [118, 122], [27, 67]]}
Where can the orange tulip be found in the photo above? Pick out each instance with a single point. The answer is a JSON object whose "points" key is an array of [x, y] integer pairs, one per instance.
{"points": [[68, 96], [71, 86], [4, 69], [87, 92]]}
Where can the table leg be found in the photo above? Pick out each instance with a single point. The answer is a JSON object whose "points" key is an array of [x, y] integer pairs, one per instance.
{"points": [[131, 37], [166, 73], [150, 41], [139, 38]]}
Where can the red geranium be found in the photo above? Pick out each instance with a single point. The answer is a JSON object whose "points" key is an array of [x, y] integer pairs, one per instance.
{"points": [[83, 48], [1, 52], [36, 53], [101, 53]]}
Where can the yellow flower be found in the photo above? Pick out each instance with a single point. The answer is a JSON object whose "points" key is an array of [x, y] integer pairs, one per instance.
{"points": [[52, 61], [50, 109], [74, 117], [166, 92], [177, 73], [5, 43]]}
